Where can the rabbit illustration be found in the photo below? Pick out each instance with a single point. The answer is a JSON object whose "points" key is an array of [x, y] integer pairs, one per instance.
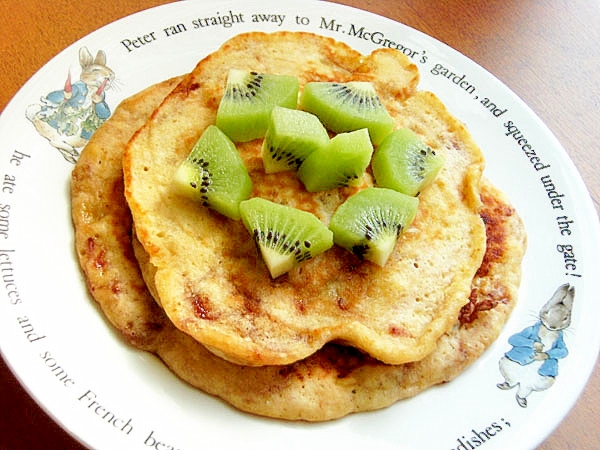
{"points": [[532, 363], [68, 117]]}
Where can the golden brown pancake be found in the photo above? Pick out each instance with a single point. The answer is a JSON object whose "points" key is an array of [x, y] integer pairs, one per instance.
{"points": [[103, 224], [211, 280], [336, 380]]}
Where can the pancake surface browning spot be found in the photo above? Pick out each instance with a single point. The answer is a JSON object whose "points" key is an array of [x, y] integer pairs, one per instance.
{"points": [[397, 313], [333, 382]]}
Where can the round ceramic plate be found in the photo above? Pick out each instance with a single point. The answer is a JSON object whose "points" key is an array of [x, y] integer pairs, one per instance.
{"points": [[109, 395]]}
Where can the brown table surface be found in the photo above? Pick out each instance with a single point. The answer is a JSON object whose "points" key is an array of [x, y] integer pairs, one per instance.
{"points": [[545, 51]]}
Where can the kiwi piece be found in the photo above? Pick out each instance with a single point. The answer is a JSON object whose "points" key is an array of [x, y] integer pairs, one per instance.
{"points": [[214, 174], [285, 236], [249, 97], [368, 223], [340, 163], [347, 107], [404, 162], [291, 136]]}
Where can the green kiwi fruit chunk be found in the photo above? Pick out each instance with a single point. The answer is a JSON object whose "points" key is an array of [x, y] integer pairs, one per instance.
{"points": [[368, 223], [214, 174], [291, 136], [404, 162], [347, 107], [249, 97], [285, 236], [342, 162]]}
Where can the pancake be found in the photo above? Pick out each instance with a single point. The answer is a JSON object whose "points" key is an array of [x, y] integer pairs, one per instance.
{"points": [[102, 221], [333, 382], [211, 280]]}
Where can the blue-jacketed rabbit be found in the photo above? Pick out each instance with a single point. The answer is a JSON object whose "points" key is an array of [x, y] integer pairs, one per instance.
{"points": [[68, 117], [532, 363]]}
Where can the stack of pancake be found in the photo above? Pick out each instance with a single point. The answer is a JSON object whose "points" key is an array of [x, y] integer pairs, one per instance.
{"points": [[335, 335]]}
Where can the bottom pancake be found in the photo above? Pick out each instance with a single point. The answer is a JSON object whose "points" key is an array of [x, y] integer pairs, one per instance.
{"points": [[335, 381]]}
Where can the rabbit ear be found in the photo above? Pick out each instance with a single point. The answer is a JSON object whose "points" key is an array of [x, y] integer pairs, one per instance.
{"points": [[100, 58], [564, 294], [85, 57], [569, 296]]}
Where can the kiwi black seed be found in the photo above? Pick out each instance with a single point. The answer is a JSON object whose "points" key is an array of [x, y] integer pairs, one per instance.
{"points": [[368, 223], [348, 106], [214, 174], [285, 236], [291, 136], [249, 98], [405, 163]]}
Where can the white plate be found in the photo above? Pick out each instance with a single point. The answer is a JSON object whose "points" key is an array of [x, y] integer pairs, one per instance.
{"points": [[67, 356]]}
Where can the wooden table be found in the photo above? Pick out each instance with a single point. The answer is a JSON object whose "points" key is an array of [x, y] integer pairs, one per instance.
{"points": [[545, 51]]}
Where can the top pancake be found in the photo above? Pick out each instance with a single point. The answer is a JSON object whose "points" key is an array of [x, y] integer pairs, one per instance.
{"points": [[210, 278]]}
